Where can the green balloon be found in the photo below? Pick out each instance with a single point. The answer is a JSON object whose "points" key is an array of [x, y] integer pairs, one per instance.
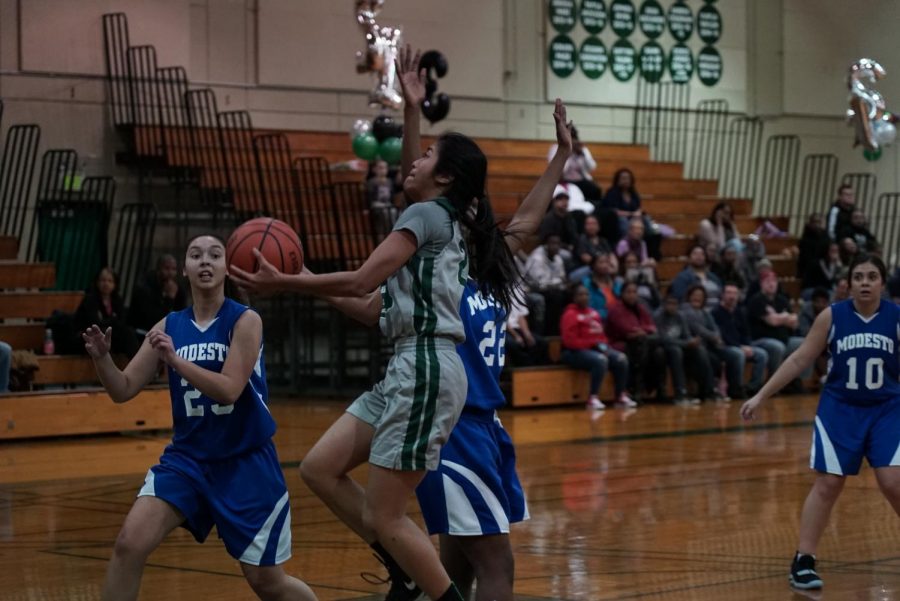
{"points": [[871, 155], [365, 146], [391, 150]]}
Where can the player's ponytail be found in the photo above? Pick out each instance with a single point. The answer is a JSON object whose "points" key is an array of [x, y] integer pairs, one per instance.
{"points": [[491, 261]]}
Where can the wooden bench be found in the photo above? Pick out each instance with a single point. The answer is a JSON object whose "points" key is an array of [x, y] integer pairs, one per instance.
{"points": [[69, 369], [37, 305], [37, 414], [16, 274], [549, 385]]}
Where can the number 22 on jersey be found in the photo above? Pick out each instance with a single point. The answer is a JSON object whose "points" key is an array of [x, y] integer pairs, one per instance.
{"points": [[493, 347]]}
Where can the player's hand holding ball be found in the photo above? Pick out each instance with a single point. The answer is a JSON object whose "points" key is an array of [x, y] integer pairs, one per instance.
{"points": [[260, 252], [96, 341]]}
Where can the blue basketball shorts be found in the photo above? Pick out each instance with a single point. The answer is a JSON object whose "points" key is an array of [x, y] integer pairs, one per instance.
{"points": [[475, 490], [845, 433], [245, 497]]}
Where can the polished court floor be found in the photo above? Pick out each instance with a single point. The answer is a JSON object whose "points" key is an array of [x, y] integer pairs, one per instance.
{"points": [[657, 503]]}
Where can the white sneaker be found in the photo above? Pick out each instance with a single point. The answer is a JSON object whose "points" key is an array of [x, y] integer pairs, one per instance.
{"points": [[626, 401], [595, 403]]}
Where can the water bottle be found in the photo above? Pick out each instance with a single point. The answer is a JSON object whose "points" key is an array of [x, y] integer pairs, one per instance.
{"points": [[49, 348]]}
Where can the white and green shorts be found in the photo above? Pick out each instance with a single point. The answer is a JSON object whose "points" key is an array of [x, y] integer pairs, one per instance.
{"points": [[414, 408]]}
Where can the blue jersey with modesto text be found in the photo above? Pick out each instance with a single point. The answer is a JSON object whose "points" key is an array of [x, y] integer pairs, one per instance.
{"points": [[204, 429], [864, 362], [483, 352]]}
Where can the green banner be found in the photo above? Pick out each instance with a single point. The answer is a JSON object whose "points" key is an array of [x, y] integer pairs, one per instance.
{"points": [[652, 61], [709, 66], [652, 19], [622, 17], [709, 24], [562, 15], [563, 55], [623, 60], [593, 15], [681, 63], [681, 21], [592, 58]]}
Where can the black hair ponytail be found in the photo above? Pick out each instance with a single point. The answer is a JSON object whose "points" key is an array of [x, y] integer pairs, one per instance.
{"points": [[491, 261]]}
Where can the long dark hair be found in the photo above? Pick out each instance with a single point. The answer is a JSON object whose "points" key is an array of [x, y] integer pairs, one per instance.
{"points": [[231, 289], [492, 264], [615, 180], [861, 258]]}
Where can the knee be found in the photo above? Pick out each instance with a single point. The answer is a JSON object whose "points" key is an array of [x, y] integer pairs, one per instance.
{"points": [[829, 486], [889, 481], [131, 546], [266, 582], [675, 353], [315, 473], [599, 362], [760, 355]]}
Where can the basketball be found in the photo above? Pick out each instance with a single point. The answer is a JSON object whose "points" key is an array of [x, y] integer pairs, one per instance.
{"points": [[275, 239]]}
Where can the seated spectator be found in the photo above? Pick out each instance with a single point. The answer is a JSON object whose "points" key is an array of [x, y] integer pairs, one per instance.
{"points": [[560, 223], [702, 324], [682, 349], [642, 275], [590, 244], [858, 231], [631, 329], [893, 286], [819, 301], [5, 366], [380, 191], [624, 199], [578, 168], [841, 289], [848, 250], [523, 349], [812, 244], [718, 228], [732, 323], [772, 324], [634, 242], [545, 273], [824, 272], [753, 260], [155, 296], [728, 268], [602, 288], [841, 212], [697, 272], [585, 346], [102, 306]]}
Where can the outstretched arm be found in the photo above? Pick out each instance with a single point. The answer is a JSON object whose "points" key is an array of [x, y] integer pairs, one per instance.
{"points": [[412, 82], [121, 385], [813, 345], [530, 213]]}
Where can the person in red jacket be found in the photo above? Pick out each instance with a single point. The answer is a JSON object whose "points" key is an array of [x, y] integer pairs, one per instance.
{"points": [[585, 346], [631, 329]]}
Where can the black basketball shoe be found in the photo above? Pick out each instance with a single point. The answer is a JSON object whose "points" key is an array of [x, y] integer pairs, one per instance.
{"points": [[803, 572]]}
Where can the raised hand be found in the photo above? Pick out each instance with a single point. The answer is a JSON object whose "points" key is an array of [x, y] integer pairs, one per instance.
{"points": [[96, 341], [563, 128], [162, 344], [412, 79], [266, 280]]}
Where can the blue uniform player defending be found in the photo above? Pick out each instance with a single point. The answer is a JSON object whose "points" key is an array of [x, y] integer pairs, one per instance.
{"points": [[221, 468], [859, 410]]}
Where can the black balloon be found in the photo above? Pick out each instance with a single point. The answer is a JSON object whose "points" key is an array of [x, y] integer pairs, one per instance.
{"points": [[384, 127], [434, 107]]}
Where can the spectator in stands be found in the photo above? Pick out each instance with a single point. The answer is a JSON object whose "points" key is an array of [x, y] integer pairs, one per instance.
{"points": [[841, 289], [718, 228], [102, 306], [631, 329], [523, 349], [772, 324], [624, 199], [858, 231], [697, 272], [585, 346], [5, 365], [728, 268], [545, 273], [893, 286], [702, 324], [380, 192], [560, 223], [754, 259], [812, 243], [155, 296], [644, 276], [634, 242], [682, 349], [735, 332], [819, 301], [602, 287], [848, 250], [824, 272], [590, 244], [841, 212], [578, 169]]}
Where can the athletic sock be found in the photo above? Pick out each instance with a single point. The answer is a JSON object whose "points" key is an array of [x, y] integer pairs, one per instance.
{"points": [[451, 594]]}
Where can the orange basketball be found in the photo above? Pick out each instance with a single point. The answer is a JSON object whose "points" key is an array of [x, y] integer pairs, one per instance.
{"points": [[275, 239]]}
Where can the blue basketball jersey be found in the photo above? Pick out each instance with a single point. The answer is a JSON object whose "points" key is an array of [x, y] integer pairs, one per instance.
{"points": [[483, 352], [204, 429], [864, 362]]}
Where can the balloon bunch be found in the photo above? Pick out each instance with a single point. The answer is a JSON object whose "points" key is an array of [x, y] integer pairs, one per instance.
{"points": [[434, 107], [873, 125], [381, 138], [378, 58]]}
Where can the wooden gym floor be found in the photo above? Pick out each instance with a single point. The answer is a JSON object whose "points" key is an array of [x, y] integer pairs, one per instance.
{"points": [[658, 503]]}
